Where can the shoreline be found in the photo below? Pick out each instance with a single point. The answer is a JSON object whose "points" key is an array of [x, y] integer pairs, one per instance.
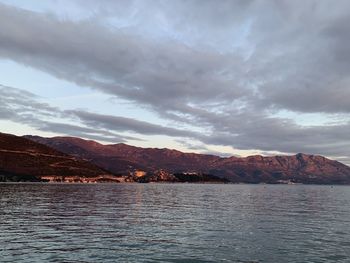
{"points": [[169, 183]]}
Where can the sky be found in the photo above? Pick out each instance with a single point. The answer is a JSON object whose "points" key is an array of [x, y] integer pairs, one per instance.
{"points": [[229, 77]]}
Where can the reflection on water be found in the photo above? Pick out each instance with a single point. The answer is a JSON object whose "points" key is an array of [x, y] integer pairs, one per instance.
{"points": [[174, 223]]}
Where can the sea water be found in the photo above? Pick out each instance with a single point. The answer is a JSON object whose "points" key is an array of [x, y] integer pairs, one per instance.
{"points": [[174, 223]]}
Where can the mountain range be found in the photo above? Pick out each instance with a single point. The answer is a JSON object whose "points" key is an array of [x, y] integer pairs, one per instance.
{"points": [[34, 158], [122, 158]]}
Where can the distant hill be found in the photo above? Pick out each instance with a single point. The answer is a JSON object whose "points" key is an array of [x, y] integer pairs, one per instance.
{"points": [[22, 159], [120, 158]]}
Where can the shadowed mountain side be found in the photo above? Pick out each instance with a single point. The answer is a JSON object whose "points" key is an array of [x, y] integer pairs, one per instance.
{"points": [[102, 155], [120, 158], [23, 159]]}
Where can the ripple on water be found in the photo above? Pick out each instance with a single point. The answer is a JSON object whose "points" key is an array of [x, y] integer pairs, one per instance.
{"points": [[174, 223]]}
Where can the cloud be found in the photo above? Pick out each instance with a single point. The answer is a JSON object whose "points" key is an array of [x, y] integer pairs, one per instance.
{"points": [[21, 106], [17, 102], [224, 68], [117, 63], [118, 123]]}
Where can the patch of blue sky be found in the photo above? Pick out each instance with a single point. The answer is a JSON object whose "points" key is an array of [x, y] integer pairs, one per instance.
{"points": [[20, 129], [19, 76], [313, 119], [62, 9]]}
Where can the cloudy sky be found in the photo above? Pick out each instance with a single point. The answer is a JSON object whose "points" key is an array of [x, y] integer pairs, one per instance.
{"points": [[236, 77]]}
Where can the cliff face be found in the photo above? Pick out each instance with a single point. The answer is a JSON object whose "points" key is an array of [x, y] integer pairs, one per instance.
{"points": [[22, 159], [119, 158]]}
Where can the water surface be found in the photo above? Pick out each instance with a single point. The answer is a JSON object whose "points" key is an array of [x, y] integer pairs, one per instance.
{"points": [[174, 223]]}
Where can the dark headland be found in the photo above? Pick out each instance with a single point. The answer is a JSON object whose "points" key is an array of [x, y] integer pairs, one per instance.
{"points": [[68, 159]]}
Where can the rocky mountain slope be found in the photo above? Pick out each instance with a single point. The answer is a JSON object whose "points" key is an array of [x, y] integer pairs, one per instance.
{"points": [[120, 158], [22, 159]]}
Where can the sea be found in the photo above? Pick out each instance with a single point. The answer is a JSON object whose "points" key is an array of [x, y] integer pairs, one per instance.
{"points": [[174, 223]]}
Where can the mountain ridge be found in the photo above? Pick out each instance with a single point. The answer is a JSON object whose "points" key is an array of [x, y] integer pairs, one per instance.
{"points": [[120, 158]]}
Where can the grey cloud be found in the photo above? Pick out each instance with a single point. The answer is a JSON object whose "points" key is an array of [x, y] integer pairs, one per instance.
{"points": [[273, 134], [115, 62], [18, 105], [295, 63], [23, 107], [301, 61], [118, 123], [295, 57], [79, 131], [16, 101]]}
